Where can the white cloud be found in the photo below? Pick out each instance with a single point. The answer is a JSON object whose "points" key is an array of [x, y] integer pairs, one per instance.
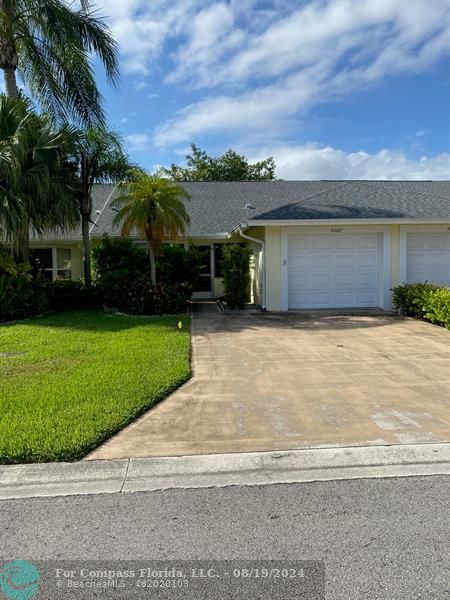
{"points": [[140, 85], [137, 142], [320, 52], [142, 27], [311, 161], [211, 33]]}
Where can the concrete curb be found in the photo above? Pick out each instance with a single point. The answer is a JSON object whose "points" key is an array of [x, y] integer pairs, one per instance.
{"points": [[220, 470]]}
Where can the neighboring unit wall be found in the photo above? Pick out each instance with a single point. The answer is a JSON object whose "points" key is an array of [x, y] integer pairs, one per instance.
{"points": [[395, 261], [273, 268]]}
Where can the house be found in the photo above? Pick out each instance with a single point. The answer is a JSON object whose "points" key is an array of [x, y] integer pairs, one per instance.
{"points": [[317, 244]]}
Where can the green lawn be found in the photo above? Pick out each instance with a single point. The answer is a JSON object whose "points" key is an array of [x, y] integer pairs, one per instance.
{"points": [[82, 376]]}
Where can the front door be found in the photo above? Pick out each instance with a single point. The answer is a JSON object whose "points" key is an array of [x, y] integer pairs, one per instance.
{"points": [[203, 286]]}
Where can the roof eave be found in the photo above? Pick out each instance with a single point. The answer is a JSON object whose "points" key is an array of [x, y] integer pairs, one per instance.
{"points": [[300, 222]]}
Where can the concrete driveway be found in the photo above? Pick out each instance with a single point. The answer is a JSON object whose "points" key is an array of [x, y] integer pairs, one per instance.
{"points": [[286, 381]]}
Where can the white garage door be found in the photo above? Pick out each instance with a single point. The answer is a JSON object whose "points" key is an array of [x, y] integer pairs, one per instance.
{"points": [[332, 271], [428, 258]]}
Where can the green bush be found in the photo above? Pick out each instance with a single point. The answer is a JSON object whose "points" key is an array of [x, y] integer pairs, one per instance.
{"points": [[119, 266], [409, 298], [236, 275], [437, 307], [119, 253], [178, 265], [66, 294], [423, 301], [21, 295], [171, 298], [122, 275]]}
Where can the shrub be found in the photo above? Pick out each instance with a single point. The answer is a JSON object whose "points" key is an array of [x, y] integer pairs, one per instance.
{"points": [[171, 298], [437, 307], [21, 295], [409, 298], [424, 301], [66, 294], [178, 265], [119, 264], [236, 275], [122, 271], [119, 253]]}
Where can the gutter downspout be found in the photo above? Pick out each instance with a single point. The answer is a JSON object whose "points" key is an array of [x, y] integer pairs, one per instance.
{"points": [[263, 260]]}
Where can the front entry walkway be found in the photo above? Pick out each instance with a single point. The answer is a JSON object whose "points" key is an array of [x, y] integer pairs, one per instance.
{"points": [[289, 381]]}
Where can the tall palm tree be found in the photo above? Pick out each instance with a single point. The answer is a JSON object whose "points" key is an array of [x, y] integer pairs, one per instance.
{"points": [[34, 175], [154, 207], [98, 157], [50, 44]]}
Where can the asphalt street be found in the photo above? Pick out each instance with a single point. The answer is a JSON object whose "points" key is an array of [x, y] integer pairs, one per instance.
{"points": [[379, 539]]}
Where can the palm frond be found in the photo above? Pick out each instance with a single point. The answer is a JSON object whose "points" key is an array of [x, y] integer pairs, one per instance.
{"points": [[55, 43]]}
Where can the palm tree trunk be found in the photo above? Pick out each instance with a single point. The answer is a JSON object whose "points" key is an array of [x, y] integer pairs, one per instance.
{"points": [[22, 245], [8, 50], [86, 249], [9, 75], [152, 265]]}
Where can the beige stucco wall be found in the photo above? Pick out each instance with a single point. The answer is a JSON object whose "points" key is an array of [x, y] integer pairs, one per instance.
{"points": [[395, 256], [273, 268]]}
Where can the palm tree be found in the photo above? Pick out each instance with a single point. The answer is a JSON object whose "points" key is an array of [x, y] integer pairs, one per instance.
{"points": [[99, 158], [154, 207], [34, 175], [50, 43]]}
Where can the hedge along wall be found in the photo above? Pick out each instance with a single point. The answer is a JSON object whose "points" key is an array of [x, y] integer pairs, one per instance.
{"points": [[423, 301]]}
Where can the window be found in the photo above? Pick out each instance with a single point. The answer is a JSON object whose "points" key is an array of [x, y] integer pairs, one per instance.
{"points": [[63, 263], [53, 263], [42, 262]]}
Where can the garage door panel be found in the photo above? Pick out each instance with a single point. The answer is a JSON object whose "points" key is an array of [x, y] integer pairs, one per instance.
{"points": [[369, 280], [344, 299], [344, 243], [367, 298], [368, 242], [331, 271], [320, 243], [342, 280], [428, 257], [367, 261]]}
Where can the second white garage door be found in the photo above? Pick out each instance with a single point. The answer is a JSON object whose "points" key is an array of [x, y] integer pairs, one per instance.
{"points": [[333, 271], [428, 258]]}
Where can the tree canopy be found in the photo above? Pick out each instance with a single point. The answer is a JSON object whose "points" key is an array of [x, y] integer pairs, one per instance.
{"points": [[97, 156], [154, 207], [35, 175], [51, 44], [231, 166]]}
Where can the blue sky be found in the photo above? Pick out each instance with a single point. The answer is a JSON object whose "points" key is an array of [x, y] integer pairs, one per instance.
{"points": [[340, 89]]}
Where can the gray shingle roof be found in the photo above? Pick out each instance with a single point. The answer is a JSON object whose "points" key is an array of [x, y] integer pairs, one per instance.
{"points": [[218, 207], [370, 200], [101, 193]]}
